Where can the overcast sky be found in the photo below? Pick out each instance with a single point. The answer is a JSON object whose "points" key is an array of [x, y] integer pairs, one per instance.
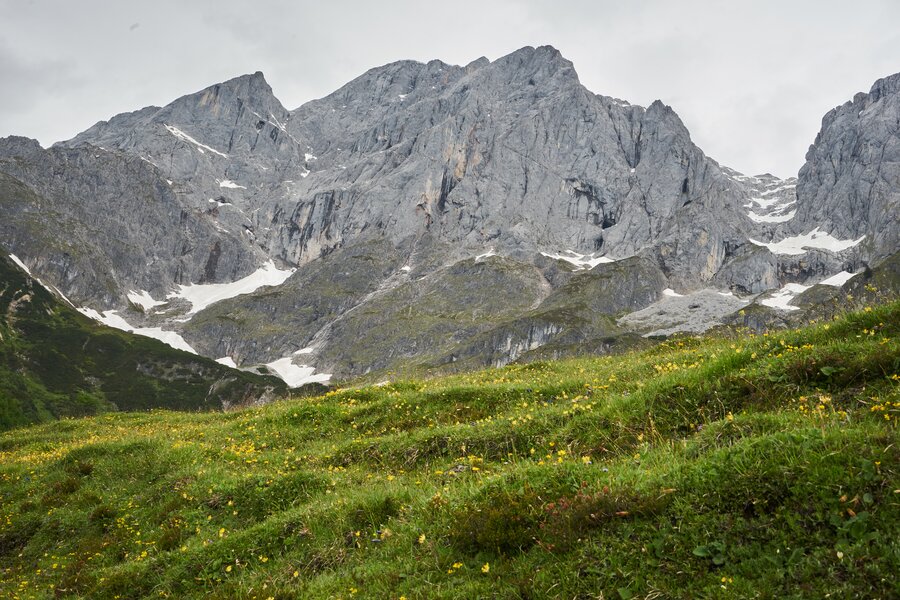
{"points": [[751, 80]]}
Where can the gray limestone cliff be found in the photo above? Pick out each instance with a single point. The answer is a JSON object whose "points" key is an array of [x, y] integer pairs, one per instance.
{"points": [[850, 184], [438, 215]]}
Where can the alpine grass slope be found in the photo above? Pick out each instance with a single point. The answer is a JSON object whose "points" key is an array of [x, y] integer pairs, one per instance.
{"points": [[726, 466]]}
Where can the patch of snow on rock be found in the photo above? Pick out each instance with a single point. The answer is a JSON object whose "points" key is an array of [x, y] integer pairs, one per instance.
{"points": [[487, 254], [581, 261], [296, 375], [111, 318], [781, 299], [50, 288], [227, 361], [799, 244], [771, 218], [22, 265], [144, 299], [838, 279], [202, 295], [672, 293], [227, 183], [186, 138]]}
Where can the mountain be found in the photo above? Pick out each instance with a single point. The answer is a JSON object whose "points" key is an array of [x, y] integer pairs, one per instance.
{"points": [[431, 216], [56, 363]]}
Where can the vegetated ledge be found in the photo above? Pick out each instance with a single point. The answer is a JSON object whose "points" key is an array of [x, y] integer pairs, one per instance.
{"points": [[722, 466]]}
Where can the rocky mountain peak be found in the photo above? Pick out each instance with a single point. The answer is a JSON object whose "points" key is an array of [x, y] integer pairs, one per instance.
{"points": [[885, 86], [542, 67], [16, 145]]}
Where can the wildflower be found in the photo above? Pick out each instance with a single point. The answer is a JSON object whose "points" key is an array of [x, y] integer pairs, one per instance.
{"points": [[422, 538], [486, 568]]}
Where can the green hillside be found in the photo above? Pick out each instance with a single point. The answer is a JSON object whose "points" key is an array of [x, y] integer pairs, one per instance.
{"points": [[55, 363], [729, 467]]}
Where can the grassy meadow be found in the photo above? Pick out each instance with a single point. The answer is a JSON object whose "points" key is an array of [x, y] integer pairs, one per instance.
{"points": [[727, 466]]}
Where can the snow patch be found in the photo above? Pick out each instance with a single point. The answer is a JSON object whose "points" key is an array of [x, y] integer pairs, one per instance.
{"points": [[781, 299], [111, 318], [304, 351], [799, 244], [227, 183], [227, 361], [581, 261], [22, 265], [487, 254], [407, 268], [771, 218], [144, 299], [50, 288], [202, 295], [308, 157], [838, 279], [186, 138], [296, 375], [672, 293]]}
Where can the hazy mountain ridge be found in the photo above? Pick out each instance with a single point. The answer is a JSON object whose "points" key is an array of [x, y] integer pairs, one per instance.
{"points": [[418, 169]]}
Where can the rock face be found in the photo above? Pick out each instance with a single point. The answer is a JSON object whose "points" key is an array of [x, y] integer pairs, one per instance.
{"points": [[423, 205], [850, 184], [98, 224]]}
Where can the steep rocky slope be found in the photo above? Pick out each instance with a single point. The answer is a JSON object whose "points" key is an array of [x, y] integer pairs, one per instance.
{"points": [[850, 184], [436, 215]]}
